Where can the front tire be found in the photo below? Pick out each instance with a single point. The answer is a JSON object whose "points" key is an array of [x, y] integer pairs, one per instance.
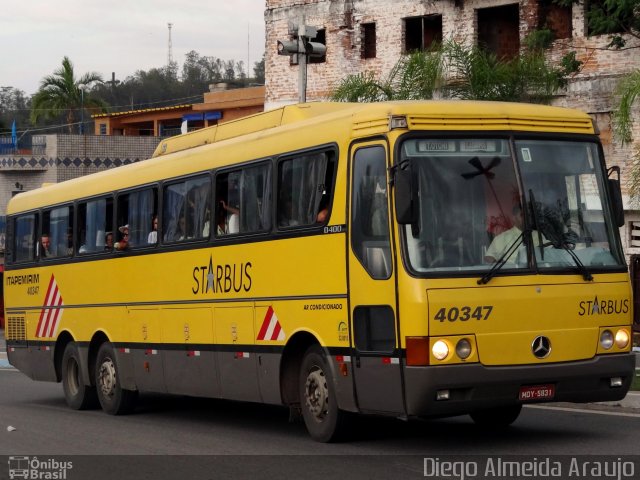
{"points": [[496, 418], [77, 395], [113, 398], [325, 422]]}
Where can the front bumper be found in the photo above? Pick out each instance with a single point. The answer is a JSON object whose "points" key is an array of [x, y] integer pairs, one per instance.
{"points": [[475, 387]]}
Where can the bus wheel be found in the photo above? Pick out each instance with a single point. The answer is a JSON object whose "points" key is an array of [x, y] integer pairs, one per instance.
{"points": [[323, 419], [113, 398], [496, 417], [78, 395]]}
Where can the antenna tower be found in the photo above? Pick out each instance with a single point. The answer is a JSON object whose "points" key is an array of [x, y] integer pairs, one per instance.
{"points": [[169, 53]]}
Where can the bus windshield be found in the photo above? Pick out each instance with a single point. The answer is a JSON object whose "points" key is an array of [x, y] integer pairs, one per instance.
{"points": [[474, 212]]}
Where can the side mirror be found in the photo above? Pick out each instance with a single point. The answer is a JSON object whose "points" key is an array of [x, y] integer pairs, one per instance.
{"points": [[405, 197], [616, 196]]}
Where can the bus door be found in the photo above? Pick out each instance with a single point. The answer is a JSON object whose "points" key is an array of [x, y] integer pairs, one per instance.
{"points": [[374, 340]]}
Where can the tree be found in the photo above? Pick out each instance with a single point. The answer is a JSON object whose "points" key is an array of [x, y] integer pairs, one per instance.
{"points": [[14, 105], [629, 91], [258, 71], [62, 93], [454, 70]]}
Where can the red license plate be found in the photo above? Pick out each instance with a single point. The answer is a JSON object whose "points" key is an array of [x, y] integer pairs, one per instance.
{"points": [[531, 393]]}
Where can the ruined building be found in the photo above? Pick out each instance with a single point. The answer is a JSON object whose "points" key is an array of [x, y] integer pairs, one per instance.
{"points": [[370, 35]]}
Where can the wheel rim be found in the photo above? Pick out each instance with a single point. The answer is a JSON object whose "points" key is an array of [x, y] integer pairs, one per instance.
{"points": [[72, 374], [107, 377], [317, 394]]}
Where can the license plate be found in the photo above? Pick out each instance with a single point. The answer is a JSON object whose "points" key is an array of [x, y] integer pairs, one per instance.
{"points": [[537, 392]]}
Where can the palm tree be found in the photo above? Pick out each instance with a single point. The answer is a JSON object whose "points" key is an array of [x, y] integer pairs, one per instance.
{"points": [[455, 70], [62, 93], [629, 91]]}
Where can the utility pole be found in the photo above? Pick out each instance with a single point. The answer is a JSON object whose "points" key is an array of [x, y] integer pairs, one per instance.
{"points": [[300, 48]]}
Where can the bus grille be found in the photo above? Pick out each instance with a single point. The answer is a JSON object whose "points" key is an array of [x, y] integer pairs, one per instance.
{"points": [[16, 328]]}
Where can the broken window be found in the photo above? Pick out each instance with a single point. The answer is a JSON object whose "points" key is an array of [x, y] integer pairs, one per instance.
{"points": [[556, 18], [422, 32], [368, 40], [498, 30]]}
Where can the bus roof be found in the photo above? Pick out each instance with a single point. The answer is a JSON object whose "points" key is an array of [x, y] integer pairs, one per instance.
{"points": [[248, 138]]}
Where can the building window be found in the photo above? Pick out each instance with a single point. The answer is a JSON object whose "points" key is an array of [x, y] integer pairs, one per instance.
{"points": [[422, 32], [103, 129], [634, 234], [498, 30], [368, 32], [321, 37], [556, 18]]}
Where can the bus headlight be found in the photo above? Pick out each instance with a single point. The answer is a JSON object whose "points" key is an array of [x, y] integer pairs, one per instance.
{"points": [[440, 350], [463, 348], [606, 339], [622, 338]]}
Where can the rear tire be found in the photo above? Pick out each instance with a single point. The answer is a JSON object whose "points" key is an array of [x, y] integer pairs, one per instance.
{"points": [[325, 422], [77, 395], [496, 418], [113, 398]]}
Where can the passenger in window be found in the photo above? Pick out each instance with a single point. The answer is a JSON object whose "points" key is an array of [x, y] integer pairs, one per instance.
{"points": [[207, 224], [228, 219], [69, 251], [152, 238], [108, 241], [45, 244], [123, 243], [323, 211]]}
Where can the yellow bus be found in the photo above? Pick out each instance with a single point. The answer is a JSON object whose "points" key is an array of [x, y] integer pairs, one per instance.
{"points": [[410, 259]]}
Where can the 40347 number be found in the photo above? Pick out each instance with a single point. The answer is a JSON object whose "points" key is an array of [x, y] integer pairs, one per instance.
{"points": [[464, 313]]}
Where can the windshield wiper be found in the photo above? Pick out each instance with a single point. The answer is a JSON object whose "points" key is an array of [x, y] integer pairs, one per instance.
{"points": [[503, 258], [586, 274], [559, 243]]}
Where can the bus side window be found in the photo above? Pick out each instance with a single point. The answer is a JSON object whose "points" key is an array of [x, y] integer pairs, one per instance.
{"points": [[56, 239], [135, 214], [24, 238], [243, 200], [369, 212], [186, 210], [198, 207], [304, 189], [95, 226]]}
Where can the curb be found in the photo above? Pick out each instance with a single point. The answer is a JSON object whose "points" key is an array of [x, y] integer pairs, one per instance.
{"points": [[632, 400]]}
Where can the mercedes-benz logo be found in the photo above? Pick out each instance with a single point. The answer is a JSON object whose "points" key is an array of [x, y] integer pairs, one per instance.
{"points": [[541, 346]]}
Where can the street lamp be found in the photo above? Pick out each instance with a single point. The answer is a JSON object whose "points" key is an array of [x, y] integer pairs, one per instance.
{"points": [[301, 48]]}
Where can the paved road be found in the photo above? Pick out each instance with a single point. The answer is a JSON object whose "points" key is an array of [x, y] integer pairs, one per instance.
{"points": [[256, 441]]}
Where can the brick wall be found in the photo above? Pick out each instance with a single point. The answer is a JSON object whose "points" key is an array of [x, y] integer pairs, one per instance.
{"points": [[342, 20]]}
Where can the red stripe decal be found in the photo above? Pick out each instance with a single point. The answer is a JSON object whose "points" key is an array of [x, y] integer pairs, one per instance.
{"points": [[265, 324]]}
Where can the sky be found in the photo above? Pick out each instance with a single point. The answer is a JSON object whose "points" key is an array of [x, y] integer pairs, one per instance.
{"points": [[122, 36]]}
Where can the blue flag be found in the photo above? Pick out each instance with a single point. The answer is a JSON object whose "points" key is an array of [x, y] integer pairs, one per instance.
{"points": [[14, 135]]}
